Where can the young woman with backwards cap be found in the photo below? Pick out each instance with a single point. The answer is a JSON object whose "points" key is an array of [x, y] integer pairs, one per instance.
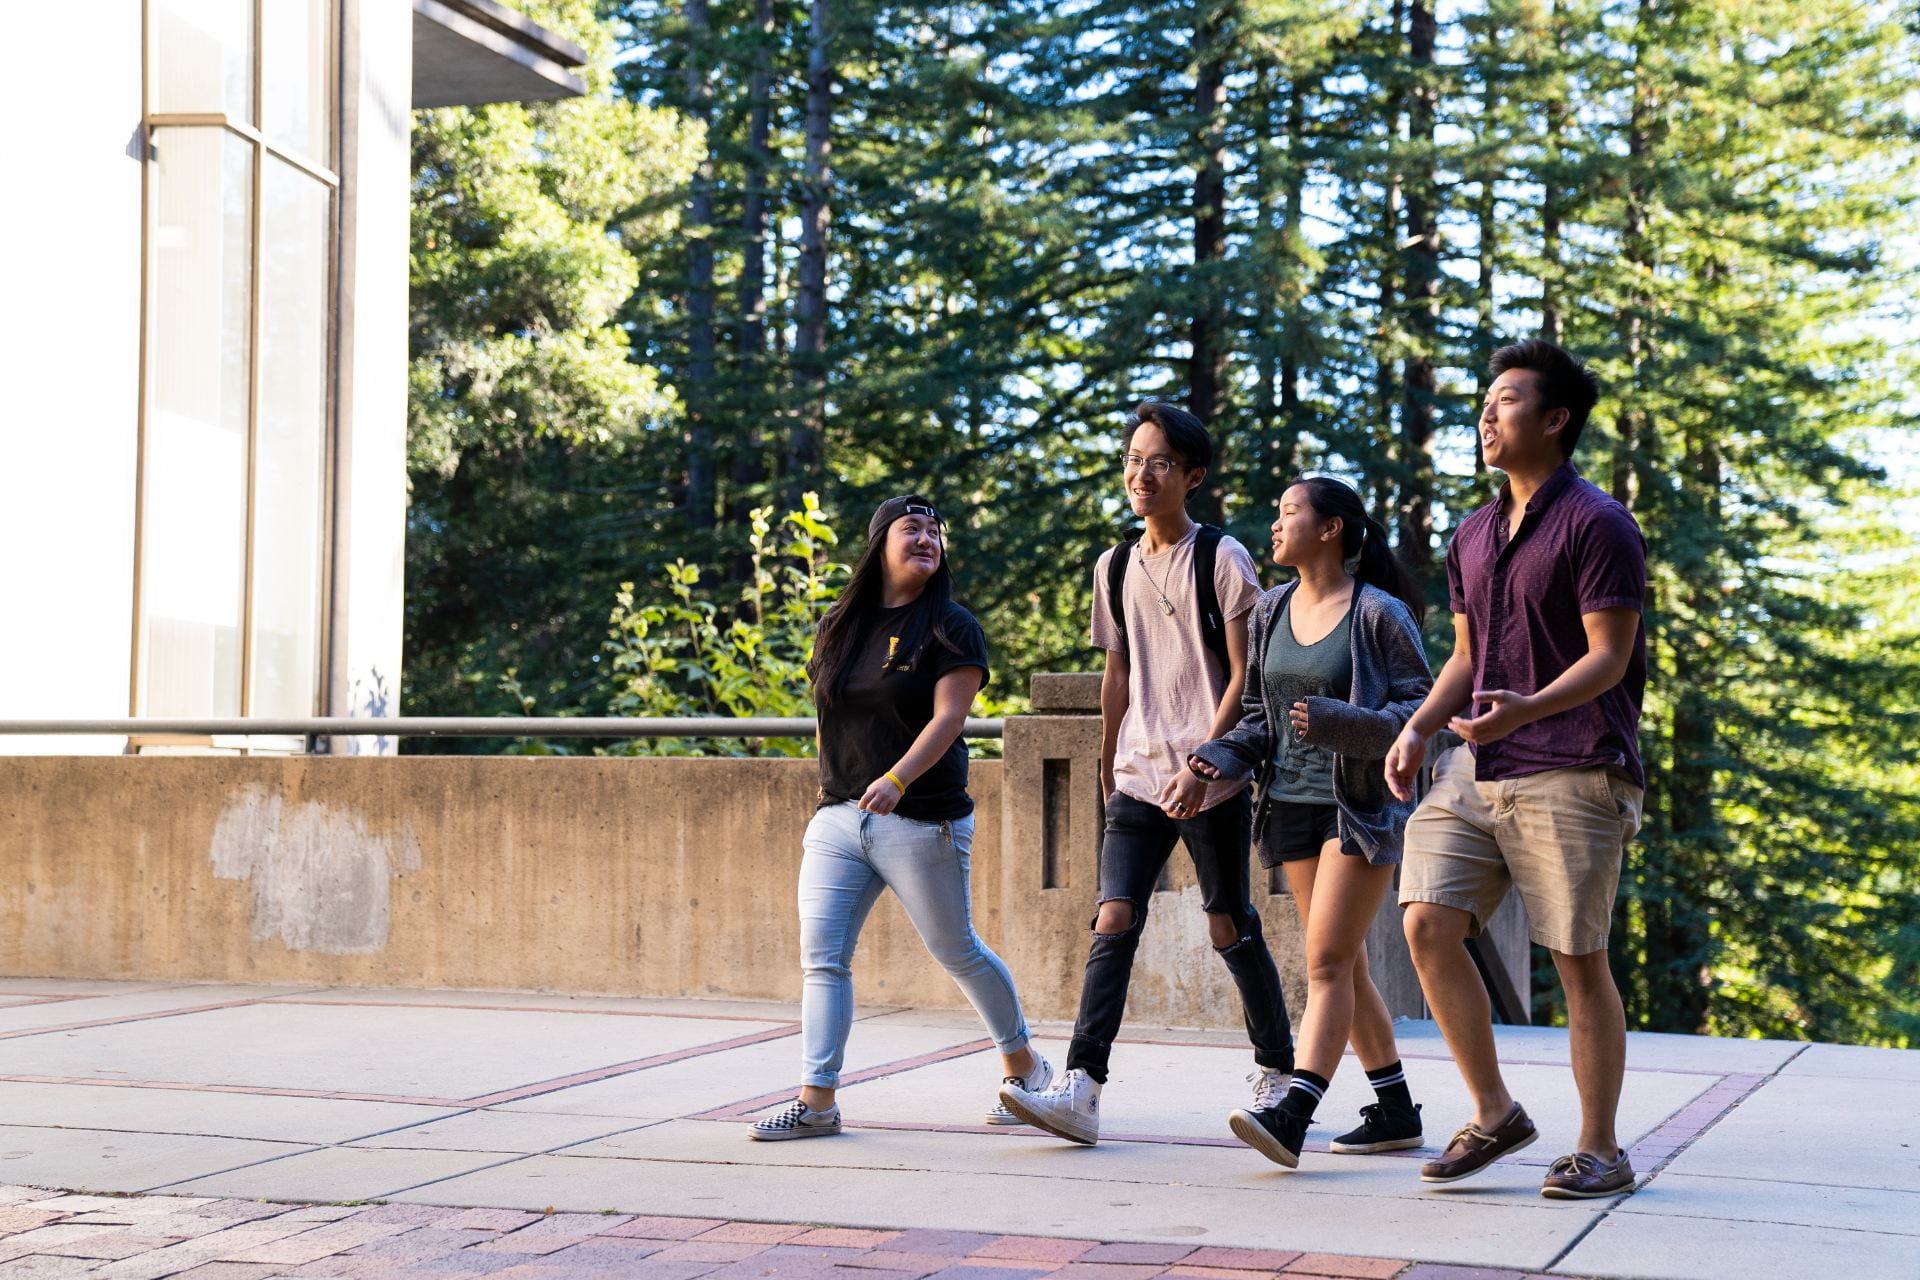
{"points": [[896, 665]]}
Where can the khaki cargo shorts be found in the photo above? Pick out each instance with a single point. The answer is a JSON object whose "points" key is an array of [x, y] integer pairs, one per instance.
{"points": [[1557, 837]]}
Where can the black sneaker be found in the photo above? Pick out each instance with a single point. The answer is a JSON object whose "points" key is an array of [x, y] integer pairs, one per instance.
{"points": [[1278, 1135], [1383, 1127]]}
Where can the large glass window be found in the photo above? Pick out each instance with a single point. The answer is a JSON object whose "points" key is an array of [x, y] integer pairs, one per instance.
{"points": [[239, 353]]}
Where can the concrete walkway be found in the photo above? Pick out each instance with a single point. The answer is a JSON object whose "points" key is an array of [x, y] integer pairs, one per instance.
{"points": [[1758, 1158]]}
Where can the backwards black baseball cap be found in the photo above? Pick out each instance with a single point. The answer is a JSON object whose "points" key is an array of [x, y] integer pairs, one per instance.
{"points": [[892, 509]]}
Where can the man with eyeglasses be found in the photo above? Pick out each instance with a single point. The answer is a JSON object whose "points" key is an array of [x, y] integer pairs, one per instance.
{"points": [[1170, 609]]}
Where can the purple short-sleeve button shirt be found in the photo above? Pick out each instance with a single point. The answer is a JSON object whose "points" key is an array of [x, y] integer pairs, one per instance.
{"points": [[1576, 551]]}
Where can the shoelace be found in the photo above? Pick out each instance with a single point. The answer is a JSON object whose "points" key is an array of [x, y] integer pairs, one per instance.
{"points": [[1578, 1163], [1268, 1088], [1477, 1135], [1371, 1114]]}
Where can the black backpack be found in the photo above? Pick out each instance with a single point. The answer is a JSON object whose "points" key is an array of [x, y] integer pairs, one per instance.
{"points": [[1213, 628]]}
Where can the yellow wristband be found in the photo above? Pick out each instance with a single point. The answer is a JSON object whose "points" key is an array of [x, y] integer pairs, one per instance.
{"points": [[896, 782]]}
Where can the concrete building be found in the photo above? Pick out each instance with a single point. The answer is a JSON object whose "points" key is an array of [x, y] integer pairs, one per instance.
{"points": [[203, 246]]}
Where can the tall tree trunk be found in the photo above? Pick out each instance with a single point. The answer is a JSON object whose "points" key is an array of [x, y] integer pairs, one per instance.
{"points": [[1423, 304], [1552, 201], [1639, 255], [806, 442], [1386, 337], [1206, 370], [756, 391], [1486, 217], [1290, 242], [699, 383]]}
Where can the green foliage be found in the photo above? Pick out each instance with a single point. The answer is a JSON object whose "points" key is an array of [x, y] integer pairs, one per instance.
{"points": [[693, 656]]}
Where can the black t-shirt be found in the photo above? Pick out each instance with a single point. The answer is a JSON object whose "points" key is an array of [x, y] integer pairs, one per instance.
{"points": [[886, 699]]}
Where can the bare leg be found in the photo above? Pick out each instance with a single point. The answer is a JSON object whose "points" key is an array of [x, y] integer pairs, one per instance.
{"points": [[1437, 936], [1597, 1029], [1346, 894], [815, 1097]]}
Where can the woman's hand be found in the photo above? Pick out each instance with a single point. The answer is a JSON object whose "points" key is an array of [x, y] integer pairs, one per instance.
{"points": [[1204, 768], [1297, 717], [881, 796]]}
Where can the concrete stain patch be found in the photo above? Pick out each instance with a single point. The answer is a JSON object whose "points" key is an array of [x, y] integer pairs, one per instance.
{"points": [[320, 876]]}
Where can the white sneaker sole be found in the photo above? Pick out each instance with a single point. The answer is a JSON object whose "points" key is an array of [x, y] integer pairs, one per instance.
{"points": [[1002, 1118], [1041, 1120], [1255, 1135], [788, 1135]]}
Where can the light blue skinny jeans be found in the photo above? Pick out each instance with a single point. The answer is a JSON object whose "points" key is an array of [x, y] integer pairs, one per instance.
{"points": [[851, 855]]}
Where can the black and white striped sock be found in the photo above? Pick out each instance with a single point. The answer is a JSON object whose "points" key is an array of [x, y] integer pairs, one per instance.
{"points": [[1304, 1094], [1390, 1082]]}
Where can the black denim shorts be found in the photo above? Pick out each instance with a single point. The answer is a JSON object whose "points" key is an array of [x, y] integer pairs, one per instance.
{"points": [[1292, 831]]}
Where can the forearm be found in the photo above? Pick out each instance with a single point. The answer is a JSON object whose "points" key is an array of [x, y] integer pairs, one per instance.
{"points": [[1596, 672], [1452, 692], [1113, 709], [929, 746], [1227, 714]]}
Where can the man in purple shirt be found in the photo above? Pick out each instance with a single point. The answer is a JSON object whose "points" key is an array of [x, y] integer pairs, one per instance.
{"points": [[1547, 584]]}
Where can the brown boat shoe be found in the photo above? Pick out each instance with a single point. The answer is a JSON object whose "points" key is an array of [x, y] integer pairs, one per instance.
{"points": [[1580, 1176], [1473, 1148]]}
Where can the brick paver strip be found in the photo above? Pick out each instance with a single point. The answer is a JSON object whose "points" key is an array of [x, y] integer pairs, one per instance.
{"points": [[849, 1237], [1106, 1271], [953, 1244], [919, 1264], [970, 1271], [709, 1251], [754, 1232], [1333, 1264], [487, 1220], [1185, 1272], [1440, 1271], [1162, 1255], [657, 1228], [1243, 1259], [1034, 1248]]}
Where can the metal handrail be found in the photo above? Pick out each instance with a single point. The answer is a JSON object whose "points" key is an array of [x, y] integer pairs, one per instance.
{"points": [[455, 727]]}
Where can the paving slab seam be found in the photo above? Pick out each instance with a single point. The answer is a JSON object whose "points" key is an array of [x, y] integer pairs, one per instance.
{"points": [[129, 1018], [512, 1158], [515, 1008], [307, 1149], [596, 1074], [746, 1107], [144, 1017], [257, 1090]]}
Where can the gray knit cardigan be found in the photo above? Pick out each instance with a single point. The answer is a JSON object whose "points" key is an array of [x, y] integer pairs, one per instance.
{"points": [[1390, 679]]}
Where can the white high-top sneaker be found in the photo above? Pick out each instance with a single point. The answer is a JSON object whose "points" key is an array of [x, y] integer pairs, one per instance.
{"points": [[1036, 1080], [1069, 1108]]}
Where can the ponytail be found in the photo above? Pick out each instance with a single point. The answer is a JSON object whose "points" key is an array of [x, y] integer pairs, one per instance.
{"points": [[1363, 541]]}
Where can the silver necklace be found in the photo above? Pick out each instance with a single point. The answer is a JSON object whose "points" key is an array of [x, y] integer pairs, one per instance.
{"points": [[1166, 605]]}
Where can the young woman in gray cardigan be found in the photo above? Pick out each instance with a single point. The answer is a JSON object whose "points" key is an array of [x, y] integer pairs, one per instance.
{"points": [[1335, 667]]}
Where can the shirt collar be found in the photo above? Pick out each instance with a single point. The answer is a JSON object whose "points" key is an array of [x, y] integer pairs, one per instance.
{"points": [[1564, 475]]}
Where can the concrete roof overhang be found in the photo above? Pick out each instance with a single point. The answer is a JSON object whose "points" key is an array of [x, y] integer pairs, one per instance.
{"points": [[466, 52]]}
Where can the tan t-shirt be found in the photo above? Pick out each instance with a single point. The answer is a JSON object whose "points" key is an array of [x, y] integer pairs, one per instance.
{"points": [[1173, 687]]}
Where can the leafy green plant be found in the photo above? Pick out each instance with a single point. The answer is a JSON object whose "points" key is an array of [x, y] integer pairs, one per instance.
{"points": [[690, 655]]}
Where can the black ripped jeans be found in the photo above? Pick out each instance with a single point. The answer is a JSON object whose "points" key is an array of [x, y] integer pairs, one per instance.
{"points": [[1137, 843]]}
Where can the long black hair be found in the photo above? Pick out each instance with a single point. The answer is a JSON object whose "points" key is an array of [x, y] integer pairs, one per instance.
{"points": [[1363, 537], [837, 643]]}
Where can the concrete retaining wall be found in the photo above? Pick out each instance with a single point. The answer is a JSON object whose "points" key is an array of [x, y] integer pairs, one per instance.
{"points": [[670, 877]]}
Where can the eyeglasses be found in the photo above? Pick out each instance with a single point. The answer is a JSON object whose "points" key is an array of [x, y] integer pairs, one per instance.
{"points": [[1155, 467]]}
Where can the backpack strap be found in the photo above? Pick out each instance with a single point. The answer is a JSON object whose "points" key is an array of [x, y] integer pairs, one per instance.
{"points": [[1213, 627], [1116, 583]]}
